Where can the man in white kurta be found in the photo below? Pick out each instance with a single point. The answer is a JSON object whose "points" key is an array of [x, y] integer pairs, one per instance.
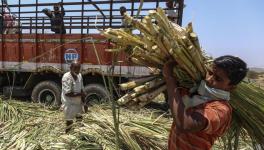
{"points": [[72, 93]]}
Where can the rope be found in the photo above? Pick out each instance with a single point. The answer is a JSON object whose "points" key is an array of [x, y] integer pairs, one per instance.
{"points": [[140, 7]]}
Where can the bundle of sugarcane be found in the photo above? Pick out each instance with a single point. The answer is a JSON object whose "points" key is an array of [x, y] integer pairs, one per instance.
{"points": [[158, 43], [161, 40]]}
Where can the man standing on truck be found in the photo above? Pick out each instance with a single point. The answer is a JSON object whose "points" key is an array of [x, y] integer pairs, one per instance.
{"points": [[123, 10], [72, 95], [3, 7], [203, 116], [171, 13], [56, 18], [7, 19]]}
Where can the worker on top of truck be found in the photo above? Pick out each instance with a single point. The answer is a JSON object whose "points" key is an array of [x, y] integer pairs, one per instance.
{"points": [[123, 10], [3, 5], [56, 18], [15, 28], [7, 19], [171, 13], [126, 26]]}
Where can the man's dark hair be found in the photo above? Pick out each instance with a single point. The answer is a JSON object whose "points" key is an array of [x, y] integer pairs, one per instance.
{"points": [[235, 68], [56, 5], [123, 8]]}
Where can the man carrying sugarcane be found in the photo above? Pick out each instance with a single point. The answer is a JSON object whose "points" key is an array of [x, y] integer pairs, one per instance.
{"points": [[56, 18], [201, 117], [72, 95]]}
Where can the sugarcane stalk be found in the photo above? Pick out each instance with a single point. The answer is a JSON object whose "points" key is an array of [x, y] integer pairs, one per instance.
{"points": [[189, 28], [162, 46], [183, 63], [124, 99], [150, 25], [197, 60], [139, 25], [135, 82], [195, 40], [146, 55], [140, 89], [159, 53], [154, 83], [143, 62], [163, 19], [156, 92], [148, 97], [148, 43]]}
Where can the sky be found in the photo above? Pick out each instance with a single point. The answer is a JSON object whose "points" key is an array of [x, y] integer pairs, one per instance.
{"points": [[234, 27]]}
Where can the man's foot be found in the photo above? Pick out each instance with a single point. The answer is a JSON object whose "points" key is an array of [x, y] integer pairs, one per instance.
{"points": [[68, 126], [67, 130]]}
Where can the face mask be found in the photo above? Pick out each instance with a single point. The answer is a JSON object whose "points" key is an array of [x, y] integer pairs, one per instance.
{"points": [[213, 93], [206, 94]]}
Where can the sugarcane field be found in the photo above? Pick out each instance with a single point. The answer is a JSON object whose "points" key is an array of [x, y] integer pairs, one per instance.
{"points": [[131, 75]]}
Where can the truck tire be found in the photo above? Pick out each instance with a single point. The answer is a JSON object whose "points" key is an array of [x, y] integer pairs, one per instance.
{"points": [[48, 93], [95, 94]]}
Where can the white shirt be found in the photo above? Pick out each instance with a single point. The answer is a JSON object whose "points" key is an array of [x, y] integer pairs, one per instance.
{"points": [[70, 85], [171, 13]]}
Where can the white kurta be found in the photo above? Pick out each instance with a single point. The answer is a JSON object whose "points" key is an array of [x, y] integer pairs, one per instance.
{"points": [[72, 106], [172, 13]]}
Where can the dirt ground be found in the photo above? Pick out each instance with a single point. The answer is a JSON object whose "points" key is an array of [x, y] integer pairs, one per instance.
{"points": [[260, 80]]}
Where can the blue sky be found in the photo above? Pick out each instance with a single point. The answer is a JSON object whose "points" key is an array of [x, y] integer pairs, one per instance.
{"points": [[233, 27], [229, 27]]}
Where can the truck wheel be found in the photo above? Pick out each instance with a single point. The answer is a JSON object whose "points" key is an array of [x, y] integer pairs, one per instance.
{"points": [[47, 93], [95, 94]]}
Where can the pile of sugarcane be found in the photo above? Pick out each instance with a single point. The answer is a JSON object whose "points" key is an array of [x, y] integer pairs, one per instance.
{"points": [[160, 40], [32, 126]]}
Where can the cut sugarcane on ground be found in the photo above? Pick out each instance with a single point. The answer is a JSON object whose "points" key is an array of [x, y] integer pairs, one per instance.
{"points": [[160, 40], [32, 126]]}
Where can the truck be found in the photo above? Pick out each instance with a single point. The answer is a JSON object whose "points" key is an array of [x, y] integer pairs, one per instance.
{"points": [[33, 60]]}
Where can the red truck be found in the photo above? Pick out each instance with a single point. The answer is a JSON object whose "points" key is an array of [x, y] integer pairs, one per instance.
{"points": [[33, 60]]}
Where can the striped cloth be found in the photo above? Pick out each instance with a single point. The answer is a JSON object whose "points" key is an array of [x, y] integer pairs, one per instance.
{"points": [[219, 116]]}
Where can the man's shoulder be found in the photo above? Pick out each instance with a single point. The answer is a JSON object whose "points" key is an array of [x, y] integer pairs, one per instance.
{"points": [[66, 75], [218, 105], [218, 102]]}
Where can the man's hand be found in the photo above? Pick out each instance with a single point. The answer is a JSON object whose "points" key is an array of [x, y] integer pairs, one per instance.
{"points": [[83, 96], [72, 94], [168, 69]]}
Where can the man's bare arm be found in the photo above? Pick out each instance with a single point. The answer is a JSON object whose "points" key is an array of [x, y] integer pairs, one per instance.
{"points": [[185, 122]]}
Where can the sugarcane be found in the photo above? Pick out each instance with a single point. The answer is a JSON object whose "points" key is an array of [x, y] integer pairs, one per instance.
{"points": [[142, 93], [150, 96], [135, 82]]}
